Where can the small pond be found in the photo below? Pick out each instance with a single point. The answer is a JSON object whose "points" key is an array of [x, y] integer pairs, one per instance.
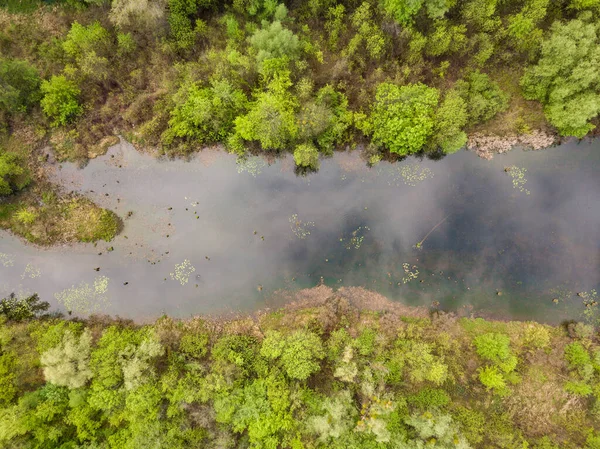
{"points": [[213, 235]]}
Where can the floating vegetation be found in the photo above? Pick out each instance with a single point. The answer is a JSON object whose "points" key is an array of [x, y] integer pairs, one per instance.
{"points": [[419, 245], [183, 271], [560, 294], [408, 174], [252, 165], [518, 178], [356, 238], [31, 272], [6, 260], [590, 301], [85, 298], [413, 174], [410, 272], [300, 228]]}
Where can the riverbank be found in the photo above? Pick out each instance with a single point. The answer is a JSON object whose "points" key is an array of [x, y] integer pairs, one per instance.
{"points": [[330, 370]]}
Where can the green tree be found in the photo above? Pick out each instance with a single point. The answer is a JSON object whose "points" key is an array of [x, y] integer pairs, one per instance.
{"points": [[565, 79], [403, 116], [205, 114], [450, 119], [368, 36], [483, 96], [274, 41], [271, 119], [67, 365], [14, 175], [405, 11], [306, 155], [299, 352], [19, 85], [60, 101]]}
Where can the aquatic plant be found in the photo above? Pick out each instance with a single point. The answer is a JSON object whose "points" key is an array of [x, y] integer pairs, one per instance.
{"points": [[518, 178], [252, 165], [31, 272], [183, 271], [356, 238], [6, 260], [591, 313], [410, 272], [419, 245], [300, 228], [85, 298], [413, 174]]}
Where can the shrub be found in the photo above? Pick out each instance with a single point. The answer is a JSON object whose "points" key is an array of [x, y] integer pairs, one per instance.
{"points": [[26, 216], [484, 97], [271, 119], [496, 348], [20, 309], [450, 119], [577, 355], [19, 85], [60, 102], [578, 388], [306, 155], [492, 379], [429, 398], [205, 114], [67, 365], [298, 353], [403, 116], [13, 175]]}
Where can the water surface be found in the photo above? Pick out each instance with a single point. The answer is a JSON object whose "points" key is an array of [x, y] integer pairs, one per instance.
{"points": [[507, 243]]}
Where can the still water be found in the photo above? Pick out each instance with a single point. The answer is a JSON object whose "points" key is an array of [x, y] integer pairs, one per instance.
{"points": [[213, 235]]}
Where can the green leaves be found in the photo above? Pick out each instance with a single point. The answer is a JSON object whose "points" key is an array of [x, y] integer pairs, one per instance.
{"points": [[483, 97], [205, 115], [298, 353], [403, 116], [565, 78], [60, 100], [14, 175], [274, 41], [19, 85]]}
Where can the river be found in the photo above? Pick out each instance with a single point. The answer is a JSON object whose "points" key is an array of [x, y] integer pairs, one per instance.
{"points": [[213, 235]]}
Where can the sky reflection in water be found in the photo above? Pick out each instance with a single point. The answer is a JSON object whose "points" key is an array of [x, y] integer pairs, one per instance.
{"points": [[236, 233]]}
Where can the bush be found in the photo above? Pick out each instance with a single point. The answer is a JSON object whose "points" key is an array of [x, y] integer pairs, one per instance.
{"points": [[484, 97], [205, 114], [496, 348], [492, 379], [403, 116], [450, 119], [13, 175], [429, 398], [306, 155], [19, 86], [20, 309], [60, 100], [298, 353], [271, 119], [577, 356]]}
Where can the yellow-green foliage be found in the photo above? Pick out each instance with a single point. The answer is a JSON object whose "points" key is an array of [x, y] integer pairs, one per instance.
{"points": [[311, 378]]}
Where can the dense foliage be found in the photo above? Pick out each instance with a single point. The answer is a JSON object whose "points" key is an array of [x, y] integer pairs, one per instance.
{"points": [[325, 376], [305, 77]]}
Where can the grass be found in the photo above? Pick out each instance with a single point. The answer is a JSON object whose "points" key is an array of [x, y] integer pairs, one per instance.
{"points": [[62, 220], [522, 116]]}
